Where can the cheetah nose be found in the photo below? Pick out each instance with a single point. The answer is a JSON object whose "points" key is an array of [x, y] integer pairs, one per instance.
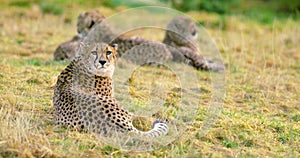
{"points": [[102, 62]]}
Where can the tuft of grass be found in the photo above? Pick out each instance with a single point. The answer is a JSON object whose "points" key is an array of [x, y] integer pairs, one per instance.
{"points": [[296, 118], [248, 143], [51, 8], [229, 144], [33, 62], [20, 3]]}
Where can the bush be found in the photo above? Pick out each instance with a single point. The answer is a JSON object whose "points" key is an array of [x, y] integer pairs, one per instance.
{"points": [[218, 6], [291, 6]]}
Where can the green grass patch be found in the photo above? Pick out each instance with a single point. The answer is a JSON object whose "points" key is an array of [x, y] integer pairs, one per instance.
{"points": [[229, 144], [20, 3], [248, 143], [33, 62], [51, 8], [296, 118]]}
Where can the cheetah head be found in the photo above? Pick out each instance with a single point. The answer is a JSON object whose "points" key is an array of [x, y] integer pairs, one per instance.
{"points": [[182, 31], [86, 21], [100, 58]]}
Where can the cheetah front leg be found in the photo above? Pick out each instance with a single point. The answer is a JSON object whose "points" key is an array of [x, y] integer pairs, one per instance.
{"points": [[198, 61]]}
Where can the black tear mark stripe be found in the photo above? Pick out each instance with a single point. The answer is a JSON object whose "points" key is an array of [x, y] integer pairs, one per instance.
{"points": [[95, 61], [107, 56]]}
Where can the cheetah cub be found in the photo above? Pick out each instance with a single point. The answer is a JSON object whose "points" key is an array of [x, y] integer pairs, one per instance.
{"points": [[83, 95]]}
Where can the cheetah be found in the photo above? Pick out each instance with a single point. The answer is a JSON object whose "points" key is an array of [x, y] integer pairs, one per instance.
{"points": [[85, 22], [83, 95], [178, 44]]}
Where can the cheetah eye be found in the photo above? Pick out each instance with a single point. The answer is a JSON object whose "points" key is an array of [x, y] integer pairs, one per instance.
{"points": [[108, 52], [194, 33], [94, 52]]}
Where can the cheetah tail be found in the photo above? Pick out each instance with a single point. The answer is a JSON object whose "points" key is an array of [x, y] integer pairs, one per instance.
{"points": [[159, 128]]}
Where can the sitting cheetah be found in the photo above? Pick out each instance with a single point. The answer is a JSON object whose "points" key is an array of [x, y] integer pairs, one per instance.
{"points": [[86, 21], [83, 94]]}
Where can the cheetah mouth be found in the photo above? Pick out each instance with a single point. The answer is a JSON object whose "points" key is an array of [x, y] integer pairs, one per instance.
{"points": [[101, 67]]}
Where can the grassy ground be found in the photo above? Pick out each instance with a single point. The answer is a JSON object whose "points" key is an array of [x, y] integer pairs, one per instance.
{"points": [[261, 108]]}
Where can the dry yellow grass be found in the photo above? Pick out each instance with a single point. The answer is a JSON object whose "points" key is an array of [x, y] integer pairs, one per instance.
{"points": [[261, 108]]}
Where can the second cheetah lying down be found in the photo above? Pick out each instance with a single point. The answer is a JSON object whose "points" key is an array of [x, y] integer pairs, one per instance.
{"points": [[177, 45]]}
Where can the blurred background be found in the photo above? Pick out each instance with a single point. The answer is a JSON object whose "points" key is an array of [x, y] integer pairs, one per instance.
{"points": [[264, 11]]}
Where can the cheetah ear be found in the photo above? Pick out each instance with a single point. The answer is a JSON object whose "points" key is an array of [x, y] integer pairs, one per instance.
{"points": [[80, 51], [115, 46], [82, 45], [82, 14]]}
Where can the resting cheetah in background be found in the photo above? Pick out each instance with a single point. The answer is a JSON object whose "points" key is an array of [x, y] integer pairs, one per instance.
{"points": [[83, 94], [177, 45], [85, 22]]}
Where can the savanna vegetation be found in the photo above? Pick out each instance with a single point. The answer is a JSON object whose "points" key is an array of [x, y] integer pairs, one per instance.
{"points": [[258, 40]]}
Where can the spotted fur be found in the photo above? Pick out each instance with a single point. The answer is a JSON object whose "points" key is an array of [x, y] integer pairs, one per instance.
{"points": [[83, 96], [178, 44]]}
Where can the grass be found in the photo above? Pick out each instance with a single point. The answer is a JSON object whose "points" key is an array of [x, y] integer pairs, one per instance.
{"points": [[261, 108]]}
